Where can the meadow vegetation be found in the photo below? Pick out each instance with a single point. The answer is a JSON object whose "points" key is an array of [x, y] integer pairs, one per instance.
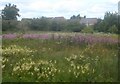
{"points": [[59, 57]]}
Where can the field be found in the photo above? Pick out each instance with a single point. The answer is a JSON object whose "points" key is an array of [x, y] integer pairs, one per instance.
{"points": [[59, 57]]}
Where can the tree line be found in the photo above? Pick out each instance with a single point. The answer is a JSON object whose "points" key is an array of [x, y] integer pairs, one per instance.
{"points": [[10, 23]]}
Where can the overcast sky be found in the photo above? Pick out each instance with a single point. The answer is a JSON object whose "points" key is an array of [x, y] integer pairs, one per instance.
{"points": [[65, 8]]}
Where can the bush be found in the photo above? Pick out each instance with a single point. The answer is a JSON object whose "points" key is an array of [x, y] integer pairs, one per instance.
{"points": [[9, 25], [113, 29], [87, 30], [74, 26]]}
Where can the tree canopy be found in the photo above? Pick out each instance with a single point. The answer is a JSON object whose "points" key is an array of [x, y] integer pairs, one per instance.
{"points": [[108, 24], [9, 17], [10, 12]]}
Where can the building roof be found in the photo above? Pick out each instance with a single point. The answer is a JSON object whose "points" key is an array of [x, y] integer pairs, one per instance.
{"points": [[26, 18], [59, 18], [91, 21]]}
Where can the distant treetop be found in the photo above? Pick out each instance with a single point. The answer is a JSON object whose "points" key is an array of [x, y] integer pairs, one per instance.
{"points": [[10, 12]]}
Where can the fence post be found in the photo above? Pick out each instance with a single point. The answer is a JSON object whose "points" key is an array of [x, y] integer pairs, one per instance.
{"points": [[0, 46]]}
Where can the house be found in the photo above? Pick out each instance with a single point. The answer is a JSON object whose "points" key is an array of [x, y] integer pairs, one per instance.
{"points": [[59, 18], [88, 21], [26, 19]]}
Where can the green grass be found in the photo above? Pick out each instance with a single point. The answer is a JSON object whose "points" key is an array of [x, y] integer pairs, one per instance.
{"points": [[35, 60]]}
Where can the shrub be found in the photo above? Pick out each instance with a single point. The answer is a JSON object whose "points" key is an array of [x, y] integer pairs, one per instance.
{"points": [[87, 30], [113, 29]]}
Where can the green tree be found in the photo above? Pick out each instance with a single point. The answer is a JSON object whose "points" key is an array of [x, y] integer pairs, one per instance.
{"points": [[106, 25], [41, 24], [75, 17], [113, 29], [111, 19], [10, 12], [74, 25], [9, 17]]}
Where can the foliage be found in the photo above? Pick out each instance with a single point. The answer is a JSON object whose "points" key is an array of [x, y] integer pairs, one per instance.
{"points": [[110, 19], [9, 16], [87, 30], [10, 12], [58, 25], [9, 25], [74, 26], [47, 24], [75, 17], [24, 25], [39, 24], [113, 29]]}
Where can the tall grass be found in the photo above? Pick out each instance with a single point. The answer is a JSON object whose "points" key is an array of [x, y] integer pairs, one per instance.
{"points": [[43, 60]]}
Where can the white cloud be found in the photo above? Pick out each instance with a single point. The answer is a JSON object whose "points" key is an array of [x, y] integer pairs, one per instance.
{"points": [[40, 5], [66, 8], [114, 1]]}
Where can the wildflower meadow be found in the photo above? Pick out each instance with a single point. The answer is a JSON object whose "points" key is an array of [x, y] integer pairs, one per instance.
{"points": [[59, 57]]}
